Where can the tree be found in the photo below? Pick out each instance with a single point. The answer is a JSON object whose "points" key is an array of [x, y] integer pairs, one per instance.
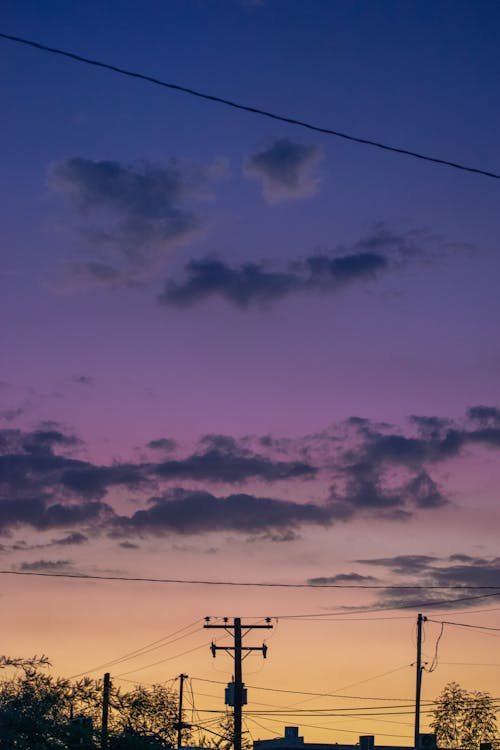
{"points": [[464, 719], [221, 736], [36, 710], [22, 663], [150, 713]]}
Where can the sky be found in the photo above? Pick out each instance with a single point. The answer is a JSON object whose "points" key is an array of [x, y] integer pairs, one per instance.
{"points": [[238, 350]]}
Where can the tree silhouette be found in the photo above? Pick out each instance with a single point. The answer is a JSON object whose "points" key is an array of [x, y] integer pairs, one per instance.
{"points": [[464, 719], [36, 710]]}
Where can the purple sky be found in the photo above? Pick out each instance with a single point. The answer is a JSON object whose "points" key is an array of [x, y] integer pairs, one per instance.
{"points": [[236, 349]]}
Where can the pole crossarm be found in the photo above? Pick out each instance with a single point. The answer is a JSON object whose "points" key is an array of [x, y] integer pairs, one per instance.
{"points": [[243, 627], [232, 648]]}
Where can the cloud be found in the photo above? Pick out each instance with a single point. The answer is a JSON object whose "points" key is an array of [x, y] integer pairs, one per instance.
{"points": [[341, 578], [285, 170], [42, 488], [84, 380], [436, 440], [461, 572], [252, 284], [387, 469], [12, 414], [192, 512], [232, 464], [134, 213], [162, 444], [49, 566], [485, 415], [43, 515], [402, 564], [375, 471], [75, 538]]}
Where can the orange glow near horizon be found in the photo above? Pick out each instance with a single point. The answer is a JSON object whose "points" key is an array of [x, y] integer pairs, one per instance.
{"points": [[368, 658]]}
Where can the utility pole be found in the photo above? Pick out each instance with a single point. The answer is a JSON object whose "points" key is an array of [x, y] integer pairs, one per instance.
{"points": [[237, 698], [420, 619], [106, 687], [180, 723]]}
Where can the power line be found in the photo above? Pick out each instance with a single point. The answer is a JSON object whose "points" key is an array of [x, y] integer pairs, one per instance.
{"points": [[263, 584], [362, 610], [465, 625], [470, 664], [317, 695], [162, 661], [247, 108], [165, 641], [334, 615], [388, 608]]}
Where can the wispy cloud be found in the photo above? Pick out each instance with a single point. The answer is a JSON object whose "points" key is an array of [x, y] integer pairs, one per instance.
{"points": [[46, 566], [133, 214], [461, 572], [285, 169]]}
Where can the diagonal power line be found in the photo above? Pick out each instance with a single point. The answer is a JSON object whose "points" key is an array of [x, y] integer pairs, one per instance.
{"points": [[265, 584], [248, 108]]}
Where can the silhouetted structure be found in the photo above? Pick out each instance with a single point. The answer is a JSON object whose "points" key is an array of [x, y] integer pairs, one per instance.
{"points": [[291, 740]]}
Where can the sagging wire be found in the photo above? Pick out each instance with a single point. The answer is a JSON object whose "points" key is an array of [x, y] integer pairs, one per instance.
{"points": [[434, 662]]}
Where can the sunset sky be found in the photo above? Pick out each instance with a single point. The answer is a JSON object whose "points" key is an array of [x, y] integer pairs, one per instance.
{"points": [[234, 349]]}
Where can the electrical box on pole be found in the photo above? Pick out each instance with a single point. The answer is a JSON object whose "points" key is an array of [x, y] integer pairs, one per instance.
{"points": [[230, 694]]}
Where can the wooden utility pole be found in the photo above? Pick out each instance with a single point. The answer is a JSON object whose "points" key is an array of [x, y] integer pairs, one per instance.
{"points": [[180, 724], [106, 687], [420, 619], [238, 684], [237, 649]]}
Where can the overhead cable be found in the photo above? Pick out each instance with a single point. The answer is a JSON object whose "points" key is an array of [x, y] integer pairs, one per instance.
{"points": [[464, 625], [247, 108], [167, 640], [264, 584]]}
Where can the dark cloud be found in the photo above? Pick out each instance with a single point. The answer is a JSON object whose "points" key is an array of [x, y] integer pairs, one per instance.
{"points": [[128, 545], [461, 572], [30, 467], [232, 464], [49, 566], [243, 286], [43, 442], [377, 253], [85, 479], [375, 472], [42, 515], [137, 212], [440, 439], [163, 444], [75, 538], [367, 490], [253, 284], [191, 512], [84, 380], [285, 169], [485, 415], [286, 535], [390, 470], [44, 489], [402, 564], [355, 578]]}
